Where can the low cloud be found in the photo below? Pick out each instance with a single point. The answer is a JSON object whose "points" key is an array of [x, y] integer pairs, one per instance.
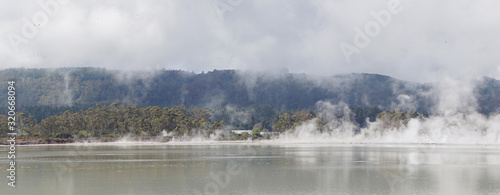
{"points": [[424, 42]]}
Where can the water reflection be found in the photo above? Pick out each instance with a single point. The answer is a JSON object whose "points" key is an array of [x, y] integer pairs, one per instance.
{"points": [[256, 169]]}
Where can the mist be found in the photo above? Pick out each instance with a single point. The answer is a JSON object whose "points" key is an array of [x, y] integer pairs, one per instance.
{"points": [[456, 120], [442, 48], [457, 39]]}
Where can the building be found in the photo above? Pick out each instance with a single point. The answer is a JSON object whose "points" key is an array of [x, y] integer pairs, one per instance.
{"points": [[239, 132]]}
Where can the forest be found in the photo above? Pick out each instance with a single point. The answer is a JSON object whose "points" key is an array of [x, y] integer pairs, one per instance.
{"points": [[115, 121], [78, 103]]}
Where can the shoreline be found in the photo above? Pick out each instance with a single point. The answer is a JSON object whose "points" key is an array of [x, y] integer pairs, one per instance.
{"points": [[171, 141], [65, 141]]}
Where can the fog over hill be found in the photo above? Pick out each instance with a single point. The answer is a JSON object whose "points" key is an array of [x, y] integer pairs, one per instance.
{"points": [[218, 88]]}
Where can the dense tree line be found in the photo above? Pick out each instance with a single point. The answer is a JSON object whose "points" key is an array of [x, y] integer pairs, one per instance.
{"points": [[288, 121], [119, 120], [40, 112], [96, 102]]}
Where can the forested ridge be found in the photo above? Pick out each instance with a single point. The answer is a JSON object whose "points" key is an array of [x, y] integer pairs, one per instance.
{"points": [[93, 102], [169, 88]]}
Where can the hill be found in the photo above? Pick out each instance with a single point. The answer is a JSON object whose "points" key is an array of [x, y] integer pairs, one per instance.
{"points": [[80, 88]]}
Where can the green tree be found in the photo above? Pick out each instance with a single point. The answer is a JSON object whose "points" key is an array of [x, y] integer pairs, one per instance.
{"points": [[284, 123], [218, 125], [4, 128], [299, 117], [396, 118], [256, 133]]}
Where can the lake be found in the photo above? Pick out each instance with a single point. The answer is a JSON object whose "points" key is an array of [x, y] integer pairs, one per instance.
{"points": [[262, 168]]}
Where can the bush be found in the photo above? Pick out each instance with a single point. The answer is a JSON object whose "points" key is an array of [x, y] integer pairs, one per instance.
{"points": [[256, 133], [83, 134], [244, 136], [396, 118]]}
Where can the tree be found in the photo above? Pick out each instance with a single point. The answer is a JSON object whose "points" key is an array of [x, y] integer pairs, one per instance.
{"points": [[256, 133], [26, 124], [320, 124], [299, 117], [244, 136], [396, 118], [284, 123], [218, 125], [4, 128], [49, 127]]}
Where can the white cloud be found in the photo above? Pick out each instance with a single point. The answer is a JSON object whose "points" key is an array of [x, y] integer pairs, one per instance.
{"points": [[425, 41]]}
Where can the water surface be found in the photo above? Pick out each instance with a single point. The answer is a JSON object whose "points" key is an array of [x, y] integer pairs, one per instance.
{"points": [[254, 169]]}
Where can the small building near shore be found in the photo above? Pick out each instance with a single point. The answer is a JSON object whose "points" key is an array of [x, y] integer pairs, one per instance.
{"points": [[239, 132]]}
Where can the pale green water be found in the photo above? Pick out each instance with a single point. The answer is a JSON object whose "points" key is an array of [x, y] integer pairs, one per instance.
{"points": [[254, 169]]}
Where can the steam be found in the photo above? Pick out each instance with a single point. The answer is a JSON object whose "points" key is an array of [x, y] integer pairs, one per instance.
{"points": [[405, 102], [138, 83], [456, 97], [237, 115], [67, 95], [62, 92], [454, 119], [456, 122]]}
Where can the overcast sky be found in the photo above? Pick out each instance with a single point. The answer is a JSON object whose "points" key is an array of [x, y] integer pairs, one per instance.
{"points": [[423, 40]]}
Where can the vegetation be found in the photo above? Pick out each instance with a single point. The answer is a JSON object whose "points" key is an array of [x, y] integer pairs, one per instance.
{"points": [[287, 121], [60, 105], [396, 118], [108, 122], [256, 133], [117, 120], [78, 89]]}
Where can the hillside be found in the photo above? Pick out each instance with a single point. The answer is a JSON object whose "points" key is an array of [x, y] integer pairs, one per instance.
{"points": [[80, 88]]}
